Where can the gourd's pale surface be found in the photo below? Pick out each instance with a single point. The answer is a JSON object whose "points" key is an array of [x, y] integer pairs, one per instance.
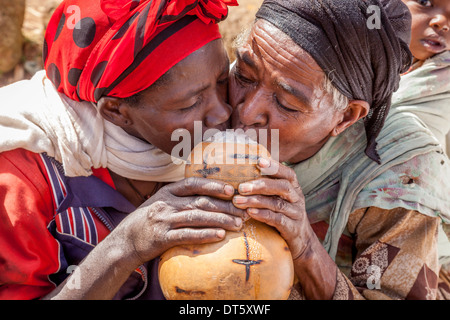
{"points": [[254, 263]]}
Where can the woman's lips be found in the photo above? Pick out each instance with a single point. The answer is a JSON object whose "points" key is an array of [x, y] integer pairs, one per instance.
{"points": [[434, 45]]}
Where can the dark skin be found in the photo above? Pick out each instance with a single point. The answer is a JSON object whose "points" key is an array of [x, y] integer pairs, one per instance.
{"points": [[430, 27], [198, 94], [277, 85], [177, 215], [185, 212]]}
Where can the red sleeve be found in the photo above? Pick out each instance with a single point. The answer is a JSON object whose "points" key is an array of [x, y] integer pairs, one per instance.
{"points": [[28, 252], [104, 175]]}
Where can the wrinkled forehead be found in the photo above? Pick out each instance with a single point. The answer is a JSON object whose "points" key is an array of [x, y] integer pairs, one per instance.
{"points": [[263, 31], [266, 46]]}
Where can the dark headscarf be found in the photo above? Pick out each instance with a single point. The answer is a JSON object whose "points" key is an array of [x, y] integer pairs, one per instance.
{"points": [[362, 58]]}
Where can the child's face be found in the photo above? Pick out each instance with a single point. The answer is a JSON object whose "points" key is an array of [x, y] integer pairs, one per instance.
{"points": [[430, 33]]}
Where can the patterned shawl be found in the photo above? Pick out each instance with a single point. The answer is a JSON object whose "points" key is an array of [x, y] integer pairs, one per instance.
{"points": [[425, 91], [340, 178]]}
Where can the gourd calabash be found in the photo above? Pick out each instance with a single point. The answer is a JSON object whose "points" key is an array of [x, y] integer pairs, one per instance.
{"points": [[253, 263]]}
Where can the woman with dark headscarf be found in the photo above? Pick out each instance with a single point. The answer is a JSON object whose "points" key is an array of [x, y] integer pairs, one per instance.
{"points": [[85, 143], [361, 191]]}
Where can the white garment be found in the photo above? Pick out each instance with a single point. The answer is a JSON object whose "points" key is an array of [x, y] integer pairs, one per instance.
{"points": [[340, 179], [425, 91], [34, 116]]}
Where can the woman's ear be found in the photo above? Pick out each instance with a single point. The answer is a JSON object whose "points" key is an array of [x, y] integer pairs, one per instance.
{"points": [[355, 110], [115, 111]]}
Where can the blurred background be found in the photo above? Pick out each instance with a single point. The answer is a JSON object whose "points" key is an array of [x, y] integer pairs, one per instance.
{"points": [[23, 23]]}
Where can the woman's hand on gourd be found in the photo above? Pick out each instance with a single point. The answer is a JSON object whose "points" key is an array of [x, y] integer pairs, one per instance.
{"points": [[190, 211], [277, 199]]}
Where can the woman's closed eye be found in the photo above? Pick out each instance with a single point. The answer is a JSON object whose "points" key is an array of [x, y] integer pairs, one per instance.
{"points": [[282, 106], [191, 107], [425, 3], [223, 81], [243, 80]]}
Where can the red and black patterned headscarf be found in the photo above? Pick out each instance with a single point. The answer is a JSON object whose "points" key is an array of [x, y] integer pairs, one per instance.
{"points": [[96, 48]]}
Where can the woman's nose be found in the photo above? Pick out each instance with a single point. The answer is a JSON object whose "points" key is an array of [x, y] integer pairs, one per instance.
{"points": [[251, 111], [219, 112]]}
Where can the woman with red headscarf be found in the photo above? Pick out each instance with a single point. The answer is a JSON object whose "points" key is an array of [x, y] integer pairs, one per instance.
{"points": [[87, 141]]}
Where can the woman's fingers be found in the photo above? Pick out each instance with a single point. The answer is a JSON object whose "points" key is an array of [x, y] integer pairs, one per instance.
{"points": [[281, 182], [276, 170], [203, 194], [204, 219], [271, 187], [201, 186], [274, 219], [289, 229], [275, 204], [216, 205], [192, 235], [208, 204]]}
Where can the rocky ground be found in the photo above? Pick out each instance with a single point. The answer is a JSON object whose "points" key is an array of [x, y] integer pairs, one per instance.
{"points": [[25, 57], [239, 18]]}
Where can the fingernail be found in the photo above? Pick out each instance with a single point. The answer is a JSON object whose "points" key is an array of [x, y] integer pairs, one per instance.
{"points": [[245, 187], [220, 233], [253, 210], [238, 199], [238, 222], [229, 190], [262, 162]]}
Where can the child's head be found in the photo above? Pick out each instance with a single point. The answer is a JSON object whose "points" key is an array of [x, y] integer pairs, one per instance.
{"points": [[430, 32]]}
